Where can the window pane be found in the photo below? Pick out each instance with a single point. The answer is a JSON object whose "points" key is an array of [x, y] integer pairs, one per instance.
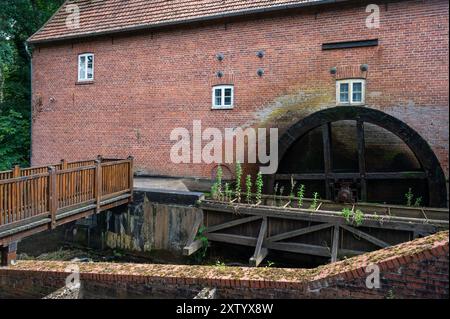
{"points": [[228, 92], [82, 68], [228, 100], [357, 92], [344, 92], [90, 67], [357, 97], [218, 97]]}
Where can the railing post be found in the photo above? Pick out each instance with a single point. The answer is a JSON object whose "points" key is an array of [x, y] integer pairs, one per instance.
{"points": [[63, 164], [131, 177], [16, 171], [98, 183], [52, 195], [15, 194]]}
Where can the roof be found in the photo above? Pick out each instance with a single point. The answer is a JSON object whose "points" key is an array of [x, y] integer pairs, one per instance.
{"points": [[99, 17]]}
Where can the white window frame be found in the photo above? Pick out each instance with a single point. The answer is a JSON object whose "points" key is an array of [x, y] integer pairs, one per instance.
{"points": [[222, 106], [86, 55], [350, 83]]}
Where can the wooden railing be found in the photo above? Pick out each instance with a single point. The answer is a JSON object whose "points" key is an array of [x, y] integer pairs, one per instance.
{"points": [[45, 191]]}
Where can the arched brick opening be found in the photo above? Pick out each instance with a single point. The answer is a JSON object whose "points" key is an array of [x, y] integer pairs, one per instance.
{"points": [[429, 170]]}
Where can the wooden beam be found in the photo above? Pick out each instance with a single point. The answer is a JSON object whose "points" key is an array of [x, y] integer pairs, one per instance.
{"points": [[299, 232], [362, 158], [232, 239], [299, 248], [259, 255], [366, 236], [326, 137], [193, 245], [52, 196], [369, 176], [232, 223], [335, 248]]}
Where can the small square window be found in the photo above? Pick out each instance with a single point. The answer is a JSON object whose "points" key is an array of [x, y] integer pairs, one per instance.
{"points": [[350, 92], [86, 67], [223, 96]]}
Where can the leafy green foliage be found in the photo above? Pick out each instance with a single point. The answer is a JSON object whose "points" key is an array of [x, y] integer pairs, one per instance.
{"points": [[248, 186], [347, 214], [292, 192], [351, 217], [14, 140], [315, 201], [216, 188], [228, 192], [418, 202], [301, 195], [238, 181], [358, 217], [259, 186], [409, 197], [200, 255], [19, 19]]}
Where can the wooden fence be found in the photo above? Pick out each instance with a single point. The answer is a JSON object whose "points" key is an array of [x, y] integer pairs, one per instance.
{"points": [[26, 193]]}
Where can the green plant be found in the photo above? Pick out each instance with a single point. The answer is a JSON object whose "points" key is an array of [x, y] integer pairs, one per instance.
{"points": [[270, 263], [238, 181], [292, 192], [418, 202], [315, 201], [214, 191], [259, 186], [228, 192], [347, 214], [301, 195], [201, 253], [358, 217], [409, 197], [248, 187], [220, 264]]}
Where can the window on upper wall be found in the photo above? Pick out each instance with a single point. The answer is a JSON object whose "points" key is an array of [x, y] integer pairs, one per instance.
{"points": [[86, 67], [350, 92], [223, 97]]}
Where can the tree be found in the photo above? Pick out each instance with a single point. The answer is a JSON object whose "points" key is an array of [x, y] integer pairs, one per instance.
{"points": [[19, 19]]}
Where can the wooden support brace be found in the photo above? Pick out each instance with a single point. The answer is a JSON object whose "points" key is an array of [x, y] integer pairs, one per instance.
{"points": [[334, 250], [98, 183], [232, 223], [260, 252], [52, 196], [299, 232], [366, 236], [192, 244]]}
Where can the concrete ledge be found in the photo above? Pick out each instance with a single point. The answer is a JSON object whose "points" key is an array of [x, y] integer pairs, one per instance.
{"points": [[173, 197]]}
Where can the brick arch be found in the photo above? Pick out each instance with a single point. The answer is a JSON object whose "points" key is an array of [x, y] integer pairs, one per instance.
{"points": [[420, 148]]}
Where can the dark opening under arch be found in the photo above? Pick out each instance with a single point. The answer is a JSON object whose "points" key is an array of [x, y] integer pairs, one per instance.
{"points": [[429, 170]]}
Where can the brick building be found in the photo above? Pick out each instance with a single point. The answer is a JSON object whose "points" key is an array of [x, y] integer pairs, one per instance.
{"points": [[120, 81]]}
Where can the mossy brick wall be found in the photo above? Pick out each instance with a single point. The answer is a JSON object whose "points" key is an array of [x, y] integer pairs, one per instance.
{"points": [[149, 83], [417, 269]]}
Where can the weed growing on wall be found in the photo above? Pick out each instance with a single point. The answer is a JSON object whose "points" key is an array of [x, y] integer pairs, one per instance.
{"points": [[238, 181], [301, 195], [259, 186], [315, 201], [248, 186]]}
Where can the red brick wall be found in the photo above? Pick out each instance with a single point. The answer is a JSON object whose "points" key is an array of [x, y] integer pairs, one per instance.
{"points": [[147, 84], [417, 269]]}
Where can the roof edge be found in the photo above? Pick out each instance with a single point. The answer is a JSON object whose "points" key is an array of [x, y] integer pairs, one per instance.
{"points": [[179, 22]]}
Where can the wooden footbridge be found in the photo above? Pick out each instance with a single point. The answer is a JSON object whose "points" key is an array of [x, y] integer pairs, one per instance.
{"points": [[36, 199]]}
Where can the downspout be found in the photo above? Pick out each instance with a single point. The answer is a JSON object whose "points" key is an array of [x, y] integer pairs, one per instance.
{"points": [[30, 57]]}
